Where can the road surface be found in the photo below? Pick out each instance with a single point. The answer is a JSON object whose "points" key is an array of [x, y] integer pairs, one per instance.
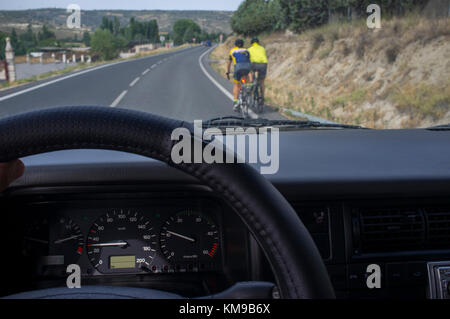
{"points": [[173, 85]]}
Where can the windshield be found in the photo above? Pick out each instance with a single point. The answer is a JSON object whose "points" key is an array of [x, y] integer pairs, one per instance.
{"points": [[355, 63]]}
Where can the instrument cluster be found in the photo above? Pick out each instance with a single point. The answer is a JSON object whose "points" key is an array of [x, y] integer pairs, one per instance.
{"points": [[135, 240]]}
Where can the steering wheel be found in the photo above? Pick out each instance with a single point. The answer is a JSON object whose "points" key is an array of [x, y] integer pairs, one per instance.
{"points": [[294, 258]]}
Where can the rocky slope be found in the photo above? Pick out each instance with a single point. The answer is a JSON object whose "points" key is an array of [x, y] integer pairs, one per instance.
{"points": [[395, 77]]}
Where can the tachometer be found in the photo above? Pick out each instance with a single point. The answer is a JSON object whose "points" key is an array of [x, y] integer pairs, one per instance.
{"points": [[54, 241], [189, 237], [121, 241]]}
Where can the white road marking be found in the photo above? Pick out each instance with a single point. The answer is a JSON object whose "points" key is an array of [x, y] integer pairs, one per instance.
{"points": [[145, 72], [135, 81], [220, 87], [6, 97], [119, 98], [153, 66]]}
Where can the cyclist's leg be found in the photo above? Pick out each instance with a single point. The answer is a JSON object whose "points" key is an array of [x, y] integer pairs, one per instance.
{"points": [[237, 84], [238, 74], [262, 73]]}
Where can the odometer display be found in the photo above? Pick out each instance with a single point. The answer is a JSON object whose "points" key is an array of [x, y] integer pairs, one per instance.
{"points": [[121, 241], [189, 237]]}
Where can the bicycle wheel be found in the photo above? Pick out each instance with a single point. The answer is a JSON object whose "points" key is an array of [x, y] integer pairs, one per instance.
{"points": [[260, 99], [244, 102]]}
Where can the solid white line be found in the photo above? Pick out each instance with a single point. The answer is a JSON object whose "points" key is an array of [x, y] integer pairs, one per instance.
{"points": [[145, 72], [6, 97], [118, 99], [220, 87], [135, 81]]}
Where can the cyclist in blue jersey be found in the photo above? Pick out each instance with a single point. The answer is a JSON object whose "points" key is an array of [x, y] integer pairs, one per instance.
{"points": [[240, 57]]}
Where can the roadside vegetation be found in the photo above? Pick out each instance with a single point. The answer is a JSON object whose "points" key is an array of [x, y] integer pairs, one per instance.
{"points": [[29, 40], [395, 77], [109, 38]]}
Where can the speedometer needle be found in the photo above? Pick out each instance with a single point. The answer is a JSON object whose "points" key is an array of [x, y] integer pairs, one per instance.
{"points": [[59, 241], [117, 244], [181, 236]]}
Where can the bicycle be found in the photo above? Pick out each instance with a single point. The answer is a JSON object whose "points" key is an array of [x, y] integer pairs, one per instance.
{"points": [[257, 94], [244, 97]]}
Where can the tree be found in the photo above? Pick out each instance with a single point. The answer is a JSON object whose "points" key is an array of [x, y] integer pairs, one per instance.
{"points": [[189, 35], [305, 14], [18, 46], [107, 25], [3, 37], [144, 32], [116, 26], [256, 16], [86, 38], [183, 26], [106, 44], [45, 34], [28, 40]]}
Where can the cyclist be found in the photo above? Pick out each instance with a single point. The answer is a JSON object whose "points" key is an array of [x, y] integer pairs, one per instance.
{"points": [[240, 57], [258, 58]]}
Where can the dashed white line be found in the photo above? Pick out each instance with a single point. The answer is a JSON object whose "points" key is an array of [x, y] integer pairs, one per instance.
{"points": [[153, 66], [145, 72], [119, 98], [220, 87], [135, 81]]}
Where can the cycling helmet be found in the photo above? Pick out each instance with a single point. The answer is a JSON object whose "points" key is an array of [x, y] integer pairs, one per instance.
{"points": [[255, 40], [239, 43]]}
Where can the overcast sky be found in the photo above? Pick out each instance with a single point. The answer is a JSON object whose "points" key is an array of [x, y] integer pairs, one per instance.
{"points": [[124, 4]]}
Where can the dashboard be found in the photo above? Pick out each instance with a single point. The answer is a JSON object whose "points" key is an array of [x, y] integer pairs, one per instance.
{"points": [[366, 197]]}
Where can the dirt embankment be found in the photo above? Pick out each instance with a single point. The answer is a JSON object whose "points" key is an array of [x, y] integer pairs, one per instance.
{"points": [[395, 77]]}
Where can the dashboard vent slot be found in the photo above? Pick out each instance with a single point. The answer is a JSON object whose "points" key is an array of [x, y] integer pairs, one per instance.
{"points": [[384, 230], [438, 227]]}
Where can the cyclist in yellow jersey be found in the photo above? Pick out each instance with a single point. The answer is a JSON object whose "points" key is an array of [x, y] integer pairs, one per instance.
{"points": [[240, 57], [258, 58]]}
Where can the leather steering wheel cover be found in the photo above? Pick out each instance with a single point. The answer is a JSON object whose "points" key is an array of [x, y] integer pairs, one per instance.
{"points": [[293, 255]]}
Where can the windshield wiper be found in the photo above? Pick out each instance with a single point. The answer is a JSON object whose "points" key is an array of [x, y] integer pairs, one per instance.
{"points": [[235, 121], [445, 127]]}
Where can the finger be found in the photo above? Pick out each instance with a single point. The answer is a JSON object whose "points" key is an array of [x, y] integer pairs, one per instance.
{"points": [[9, 172]]}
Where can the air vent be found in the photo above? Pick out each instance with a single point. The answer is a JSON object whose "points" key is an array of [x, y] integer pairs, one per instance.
{"points": [[382, 230], [438, 220]]}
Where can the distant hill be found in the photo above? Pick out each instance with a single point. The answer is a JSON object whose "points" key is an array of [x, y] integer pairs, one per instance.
{"points": [[211, 21]]}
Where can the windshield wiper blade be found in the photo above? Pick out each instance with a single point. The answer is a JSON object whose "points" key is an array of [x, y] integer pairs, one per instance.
{"points": [[236, 121], [444, 127]]}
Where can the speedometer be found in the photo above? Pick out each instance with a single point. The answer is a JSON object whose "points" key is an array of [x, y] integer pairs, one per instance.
{"points": [[121, 241], [189, 237]]}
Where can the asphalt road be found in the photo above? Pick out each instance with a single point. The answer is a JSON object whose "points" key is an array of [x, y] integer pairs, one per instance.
{"points": [[173, 85]]}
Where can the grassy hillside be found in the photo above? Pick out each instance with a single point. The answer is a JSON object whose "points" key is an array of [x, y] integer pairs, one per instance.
{"points": [[396, 77], [211, 21]]}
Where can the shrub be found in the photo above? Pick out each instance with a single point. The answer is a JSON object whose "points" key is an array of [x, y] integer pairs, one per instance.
{"points": [[392, 53], [106, 44]]}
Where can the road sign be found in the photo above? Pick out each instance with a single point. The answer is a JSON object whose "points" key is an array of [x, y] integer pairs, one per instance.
{"points": [[162, 38]]}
